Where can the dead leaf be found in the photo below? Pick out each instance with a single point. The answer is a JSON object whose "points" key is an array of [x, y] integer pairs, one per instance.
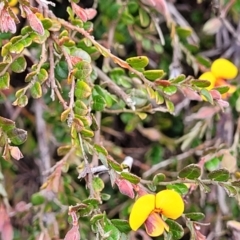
{"points": [[229, 162]]}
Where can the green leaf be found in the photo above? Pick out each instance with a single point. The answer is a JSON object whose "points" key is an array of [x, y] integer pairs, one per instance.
{"points": [[82, 90], [175, 229], [3, 65], [127, 18], [144, 18], [105, 196], [65, 114], [98, 184], [26, 42], [204, 61], [184, 32], [40, 39], [153, 74], [114, 165], [22, 101], [207, 95], [47, 23], [17, 136], [91, 201], [63, 150], [212, 164], [61, 70], [5, 49], [42, 75], [98, 103], [121, 225], [195, 216], [222, 89], [160, 177], [78, 52], [130, 177], [36, 90], [191, 171], [30, 76], [19, 65], [100, 149], [231, 191], [5, 81], [181, 188], [236, 183], [112, 233], [170, 106], [170, 90], [109, 98], [82, 70], [80, 108], [178, 79], [37, 199], [16, 48], [138, 62], [220, 175], [200, 83], [87, 133], [96, 218], [6, 124]]}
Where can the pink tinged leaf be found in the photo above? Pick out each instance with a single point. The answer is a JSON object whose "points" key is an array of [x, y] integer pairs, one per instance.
{"points": [[11, 25], [7, 231], [223, 104], [203, 113], [191, 94], [21, 207], [91, 13], [73, 234], [15, 153], [215, 94], [75, 60], [125, 187], [80, 12], [34, 22], [56, 179]]}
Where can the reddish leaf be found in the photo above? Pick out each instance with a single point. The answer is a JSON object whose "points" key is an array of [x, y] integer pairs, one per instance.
{"points": [[91, 13], [125, 187], [163, 83], [223, 103], [191, 94], [34, 22], [75, 60], [15, 153], [7, 23], [73, 234], [215, 94], [159, 5], [7, 231], [203, 113], [80, 12]]}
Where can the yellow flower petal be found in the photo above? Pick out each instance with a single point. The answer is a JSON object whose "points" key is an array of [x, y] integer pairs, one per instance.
{"points": [[210, 77], [170, 204], [223, 68], [155, 225], [12, 3], [141, 210]]}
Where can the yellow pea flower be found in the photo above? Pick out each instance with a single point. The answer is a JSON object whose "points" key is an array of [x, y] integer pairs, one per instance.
{"points": [[12, 3], [148, 208], [221, 70]]}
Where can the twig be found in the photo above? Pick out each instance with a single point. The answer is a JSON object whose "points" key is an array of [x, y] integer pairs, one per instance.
{"points": [[43, 144], [115, 88], [179, 157], [97, 137]]}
